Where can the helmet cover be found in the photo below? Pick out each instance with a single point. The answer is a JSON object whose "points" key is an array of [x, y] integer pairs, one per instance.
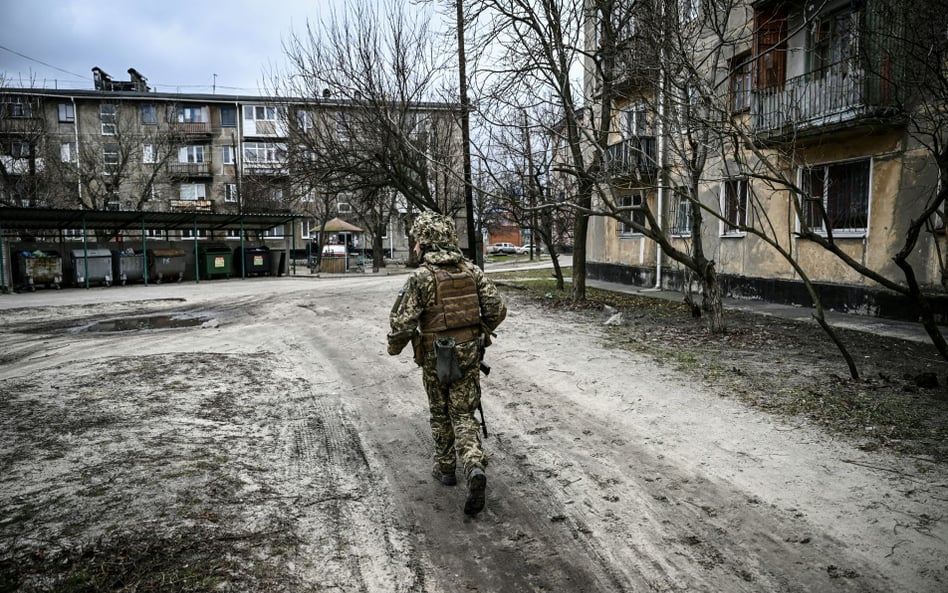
{"points": [[435, 230]]}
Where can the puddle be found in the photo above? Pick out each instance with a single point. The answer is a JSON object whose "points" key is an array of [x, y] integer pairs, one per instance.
{"points": [[145, 322]]}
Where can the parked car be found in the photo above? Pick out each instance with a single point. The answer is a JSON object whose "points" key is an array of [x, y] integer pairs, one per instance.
{"points": [[529, 248], [501, 248]]}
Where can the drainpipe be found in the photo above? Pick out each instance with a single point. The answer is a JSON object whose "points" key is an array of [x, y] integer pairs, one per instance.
{"points": [[75, 131], [660, 147]]}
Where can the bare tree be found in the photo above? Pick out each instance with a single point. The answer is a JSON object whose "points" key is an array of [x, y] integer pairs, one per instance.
{"points": [[370, 124]]}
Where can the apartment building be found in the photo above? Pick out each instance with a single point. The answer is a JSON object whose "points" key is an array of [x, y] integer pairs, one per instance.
{"points": [[810, 124], [123, 147]]}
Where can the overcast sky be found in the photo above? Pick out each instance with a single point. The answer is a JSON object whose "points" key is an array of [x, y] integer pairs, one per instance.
{"points": [[178, 45]]}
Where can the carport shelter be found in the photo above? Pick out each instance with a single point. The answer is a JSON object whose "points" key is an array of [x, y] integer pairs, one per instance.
{"points": [[15, 220]]}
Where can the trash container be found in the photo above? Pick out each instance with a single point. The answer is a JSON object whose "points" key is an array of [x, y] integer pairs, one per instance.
{"points": [[39, 267], [215, 260], [166, 265], [277, 262], [256, 260], [128, 265], [97, 263]]}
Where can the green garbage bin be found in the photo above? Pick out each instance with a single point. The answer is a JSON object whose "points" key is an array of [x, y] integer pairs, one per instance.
{"points": [[215, 260]]}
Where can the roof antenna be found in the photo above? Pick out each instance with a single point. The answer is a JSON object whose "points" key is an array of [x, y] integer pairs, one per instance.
{"points": [[214, 88]]}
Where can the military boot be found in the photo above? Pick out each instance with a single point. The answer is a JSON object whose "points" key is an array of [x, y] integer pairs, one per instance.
{"points": [[476, 488], [445, 477]]}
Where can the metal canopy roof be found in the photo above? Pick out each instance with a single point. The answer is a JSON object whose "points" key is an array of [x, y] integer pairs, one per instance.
{"points": [[61, 219]]}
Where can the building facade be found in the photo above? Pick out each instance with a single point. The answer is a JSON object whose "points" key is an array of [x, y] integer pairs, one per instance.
{"points": [[801, 133], [121, 147]]}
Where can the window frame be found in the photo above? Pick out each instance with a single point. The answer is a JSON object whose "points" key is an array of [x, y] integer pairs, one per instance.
{"points": [[742, 193], [827, 186], [637, 215], [149, 114], [230, 193], [149, 154], [741, 82], [197, 195], [681, 199], [108, 119], [66, 112], [227, 122], [227, 151]]}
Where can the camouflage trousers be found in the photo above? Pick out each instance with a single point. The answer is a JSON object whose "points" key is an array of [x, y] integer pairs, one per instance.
{"points": [[455, 429]]}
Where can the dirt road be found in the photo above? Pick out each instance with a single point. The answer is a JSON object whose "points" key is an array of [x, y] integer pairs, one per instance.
{"points": [[255, 436]]}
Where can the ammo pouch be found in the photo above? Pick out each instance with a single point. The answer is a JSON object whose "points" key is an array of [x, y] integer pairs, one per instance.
{"points": [[446, 361]]}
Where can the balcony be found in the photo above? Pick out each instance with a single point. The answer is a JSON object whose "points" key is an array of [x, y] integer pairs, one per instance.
{"points": [[190, 169], [817, 100], [265, 168], [192, 128], [191, 206], [632, 158]]}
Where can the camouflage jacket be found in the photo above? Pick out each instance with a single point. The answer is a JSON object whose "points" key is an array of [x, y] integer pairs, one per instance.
{"points": [[419, 293]]}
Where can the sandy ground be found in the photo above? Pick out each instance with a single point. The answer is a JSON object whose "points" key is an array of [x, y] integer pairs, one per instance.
{"points": [[269, 443]]}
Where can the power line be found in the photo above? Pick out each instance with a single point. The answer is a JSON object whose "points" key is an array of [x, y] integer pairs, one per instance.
{"points": [[12, 51]]}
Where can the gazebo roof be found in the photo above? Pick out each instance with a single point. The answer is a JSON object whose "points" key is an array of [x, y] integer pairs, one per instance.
{"points": [[337, 225]]}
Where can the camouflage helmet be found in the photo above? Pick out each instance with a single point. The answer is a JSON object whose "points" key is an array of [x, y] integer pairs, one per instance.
{"points": [[435, 230]]}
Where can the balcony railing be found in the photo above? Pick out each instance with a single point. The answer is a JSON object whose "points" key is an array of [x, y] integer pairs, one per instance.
{"points": [[264, 168], [192, 206], [190, 169], [634, 157], [192, 128], [834, 95]]}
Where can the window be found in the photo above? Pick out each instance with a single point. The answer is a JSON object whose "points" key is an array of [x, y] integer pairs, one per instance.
{"points": [[304, 119], [227, 155], [192, 191], [19, 149], [67, 150], [17, 106], [190, 234], [67, 112], [741, 69], [107, 117], [274, 233], [192, 114], [228, 117], [232, 234], [191, 154], [770, 46], [110, 154], [633, 202], [259, 112], [305, 226], [342, 126], [230, 192], [148, 154], [263, 152], [343, 207], [683, 213], [149, 115], [734, 206], [635, 121], [837, 197], [154, 233], [832, 41]]}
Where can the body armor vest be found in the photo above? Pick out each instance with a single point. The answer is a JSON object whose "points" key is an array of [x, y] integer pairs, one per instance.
{"points": [[456, 306]]}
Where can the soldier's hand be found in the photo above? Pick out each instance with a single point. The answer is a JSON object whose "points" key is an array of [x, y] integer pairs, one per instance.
{"points": [[394, 349]]}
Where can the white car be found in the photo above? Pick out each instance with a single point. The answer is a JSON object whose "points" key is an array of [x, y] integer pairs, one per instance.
{"points": [[501, 248], [529, 248]]}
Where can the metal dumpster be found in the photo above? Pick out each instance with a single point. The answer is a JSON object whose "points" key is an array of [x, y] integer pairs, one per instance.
{"points": [[97, 263], [39, 267], [256, 260], [166, 265], [128, 265], [215, 260], [278, 262]]}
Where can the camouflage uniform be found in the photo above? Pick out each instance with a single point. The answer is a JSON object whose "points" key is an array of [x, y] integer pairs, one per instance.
{"points": [[453, 425]]}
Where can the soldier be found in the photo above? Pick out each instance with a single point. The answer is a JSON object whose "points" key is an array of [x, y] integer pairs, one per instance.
{"points": [[447, 309]]}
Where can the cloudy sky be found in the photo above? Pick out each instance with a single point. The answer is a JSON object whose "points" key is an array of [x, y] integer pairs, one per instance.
{"points": [[178, 45]]}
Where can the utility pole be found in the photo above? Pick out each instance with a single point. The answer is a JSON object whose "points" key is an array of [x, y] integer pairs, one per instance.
{"points": [[473, 241]]}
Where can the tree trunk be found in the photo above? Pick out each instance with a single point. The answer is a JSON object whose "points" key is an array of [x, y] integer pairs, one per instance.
{"points": [[711, 299], [579, 257]]}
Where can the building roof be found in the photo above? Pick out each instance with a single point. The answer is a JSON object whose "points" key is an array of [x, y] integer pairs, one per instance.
{"points": [[61, 219]]}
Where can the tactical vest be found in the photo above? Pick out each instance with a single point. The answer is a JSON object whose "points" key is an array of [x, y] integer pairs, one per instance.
{"points": [[456, 311]]}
